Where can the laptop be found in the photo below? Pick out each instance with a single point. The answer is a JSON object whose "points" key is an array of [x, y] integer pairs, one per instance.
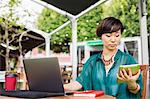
{"points": [[44, 79]]}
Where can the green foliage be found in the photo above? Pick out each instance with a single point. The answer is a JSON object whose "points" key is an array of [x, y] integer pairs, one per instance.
{"points": [[50, 20], [87, 24]]}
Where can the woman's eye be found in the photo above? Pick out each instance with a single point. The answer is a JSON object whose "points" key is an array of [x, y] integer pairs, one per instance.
{"points": [[108, 35], [117, 35]]}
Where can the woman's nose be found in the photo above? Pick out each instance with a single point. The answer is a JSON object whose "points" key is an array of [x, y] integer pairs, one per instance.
{"points": [[113, 38]]}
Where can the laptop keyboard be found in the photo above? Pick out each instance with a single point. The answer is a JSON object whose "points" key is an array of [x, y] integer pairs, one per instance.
{"points": [[29, 94]]}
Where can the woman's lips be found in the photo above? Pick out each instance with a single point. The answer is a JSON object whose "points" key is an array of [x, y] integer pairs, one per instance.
{"points": [[112, 45]]}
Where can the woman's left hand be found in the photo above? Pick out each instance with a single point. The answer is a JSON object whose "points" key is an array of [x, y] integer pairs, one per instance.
{"points": [[127, 76]]}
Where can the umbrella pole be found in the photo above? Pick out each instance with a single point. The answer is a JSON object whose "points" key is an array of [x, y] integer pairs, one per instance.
{"points": [[74, 47], [47, 41]]}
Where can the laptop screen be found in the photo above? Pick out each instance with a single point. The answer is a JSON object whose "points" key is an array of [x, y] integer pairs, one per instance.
{"points": [[43, 74]]}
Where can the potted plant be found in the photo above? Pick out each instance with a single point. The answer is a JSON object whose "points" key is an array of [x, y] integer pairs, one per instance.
{"points": [[9, 31]]}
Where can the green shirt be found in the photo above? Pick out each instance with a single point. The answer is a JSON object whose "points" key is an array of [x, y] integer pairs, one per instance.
{"points": [[93, 76]]}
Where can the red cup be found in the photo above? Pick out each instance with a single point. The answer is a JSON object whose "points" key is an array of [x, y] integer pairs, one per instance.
{"points": [[10, 82]]}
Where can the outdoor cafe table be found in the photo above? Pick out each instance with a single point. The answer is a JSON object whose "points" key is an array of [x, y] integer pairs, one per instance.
{"points": [[67, 97]]}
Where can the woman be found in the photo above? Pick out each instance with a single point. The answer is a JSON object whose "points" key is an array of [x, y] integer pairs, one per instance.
{"points": [[100, 72]]}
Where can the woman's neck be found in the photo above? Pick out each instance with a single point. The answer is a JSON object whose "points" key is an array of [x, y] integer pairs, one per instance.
{"points": [[108, 53]]}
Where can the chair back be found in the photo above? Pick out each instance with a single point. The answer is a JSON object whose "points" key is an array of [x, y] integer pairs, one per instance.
{"points": [[144, 69], [66, 74]]}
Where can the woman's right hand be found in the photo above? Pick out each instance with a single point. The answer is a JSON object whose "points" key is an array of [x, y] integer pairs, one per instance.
{"points": [[72, 86]]}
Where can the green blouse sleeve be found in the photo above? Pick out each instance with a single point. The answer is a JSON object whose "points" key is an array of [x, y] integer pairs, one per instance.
{"points": [[85, 77]]}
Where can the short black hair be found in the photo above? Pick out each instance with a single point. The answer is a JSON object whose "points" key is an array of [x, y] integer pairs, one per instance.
{"points": [[109, 25]]}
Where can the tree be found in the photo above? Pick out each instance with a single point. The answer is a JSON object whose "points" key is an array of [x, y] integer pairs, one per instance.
{"points": [[9, 30]]}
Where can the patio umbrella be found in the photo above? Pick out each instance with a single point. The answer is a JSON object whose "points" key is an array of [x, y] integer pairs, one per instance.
{"points": [[73, 7]]}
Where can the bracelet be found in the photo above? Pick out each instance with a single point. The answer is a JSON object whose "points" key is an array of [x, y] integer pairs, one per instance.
{"points": [[134, 88]]}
